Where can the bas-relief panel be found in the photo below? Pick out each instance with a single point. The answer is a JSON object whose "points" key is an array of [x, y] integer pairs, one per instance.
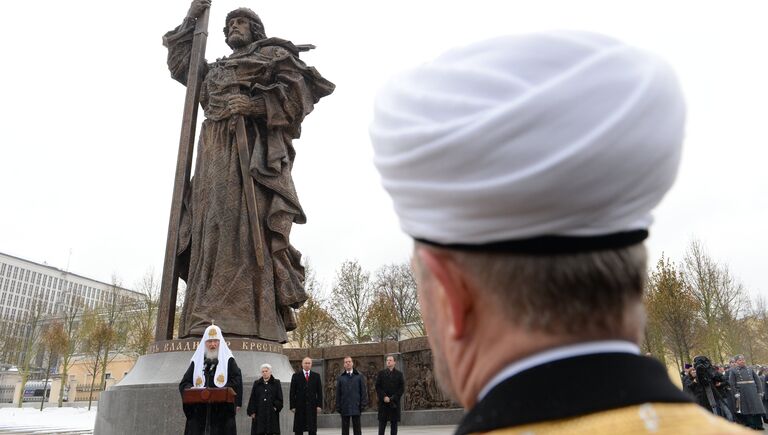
{"points": [[421, 388]]}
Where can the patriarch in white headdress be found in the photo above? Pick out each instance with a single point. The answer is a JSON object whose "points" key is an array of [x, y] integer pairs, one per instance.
{"points": [[212, 355]]}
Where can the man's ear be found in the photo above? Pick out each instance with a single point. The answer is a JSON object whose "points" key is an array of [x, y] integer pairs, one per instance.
{"points": [[455, 293]]}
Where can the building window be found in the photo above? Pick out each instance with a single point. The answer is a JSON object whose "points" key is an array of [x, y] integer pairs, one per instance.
{"points": [[108, 375]]}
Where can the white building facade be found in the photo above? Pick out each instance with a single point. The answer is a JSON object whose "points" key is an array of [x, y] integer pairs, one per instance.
{"points": [[24, 284]]}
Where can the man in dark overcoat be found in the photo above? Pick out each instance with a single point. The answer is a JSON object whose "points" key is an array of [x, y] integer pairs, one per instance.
{"points": [[351, 397], [390, 386], [306, 398], [746, 384]]}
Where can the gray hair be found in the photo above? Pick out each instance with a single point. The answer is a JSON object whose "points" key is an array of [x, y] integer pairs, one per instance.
{"points": [[588, 292], [266, 366]]}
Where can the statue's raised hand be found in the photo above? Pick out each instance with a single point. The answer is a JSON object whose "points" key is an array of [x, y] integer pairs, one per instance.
{"points": [[197, 7]]}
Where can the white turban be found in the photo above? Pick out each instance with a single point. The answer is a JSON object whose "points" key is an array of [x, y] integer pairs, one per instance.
{"points": [[220, 377], [550, 134]]}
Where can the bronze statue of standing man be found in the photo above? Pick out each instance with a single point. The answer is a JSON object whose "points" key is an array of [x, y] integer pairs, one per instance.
{"points": [[234, 251]]}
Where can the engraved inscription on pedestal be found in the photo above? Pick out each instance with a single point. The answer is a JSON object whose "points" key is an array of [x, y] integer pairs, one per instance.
{"points": [[235, 344]]}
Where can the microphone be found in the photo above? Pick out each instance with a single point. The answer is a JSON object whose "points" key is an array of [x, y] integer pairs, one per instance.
{"points": [[210, 364]]}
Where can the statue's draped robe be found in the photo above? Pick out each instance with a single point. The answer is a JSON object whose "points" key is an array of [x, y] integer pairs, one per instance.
{"points": [[216, 250]]}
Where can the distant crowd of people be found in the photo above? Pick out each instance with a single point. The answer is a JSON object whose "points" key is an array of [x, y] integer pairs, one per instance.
{"points": [[734, 391]]}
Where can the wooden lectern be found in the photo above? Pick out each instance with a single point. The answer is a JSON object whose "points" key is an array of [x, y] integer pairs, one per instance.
{"points": [[208, 395]]}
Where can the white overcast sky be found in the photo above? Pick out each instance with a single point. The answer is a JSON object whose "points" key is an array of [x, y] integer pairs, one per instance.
{"points": [[90, 118]]}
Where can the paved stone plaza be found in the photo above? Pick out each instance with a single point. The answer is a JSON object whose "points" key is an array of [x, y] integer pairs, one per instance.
{"points": [[402, 430]]}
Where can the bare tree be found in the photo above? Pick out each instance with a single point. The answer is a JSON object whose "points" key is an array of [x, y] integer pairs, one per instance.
{"points": [[54, 341], [733, 309], [96, 336], [315, 327], [31, 329], [672, 309], [720, 297], [9, 340], [352, 293], [70, 317], [753, 340], [143, 315], [382, 321], [115, 315], [397, 283]]}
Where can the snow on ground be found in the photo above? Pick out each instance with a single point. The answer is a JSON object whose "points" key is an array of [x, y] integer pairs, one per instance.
{"points": [[49, 421]]}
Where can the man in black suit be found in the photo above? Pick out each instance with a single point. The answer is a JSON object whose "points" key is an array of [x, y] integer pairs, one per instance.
{"points": [[306, 398], [390, 386]]}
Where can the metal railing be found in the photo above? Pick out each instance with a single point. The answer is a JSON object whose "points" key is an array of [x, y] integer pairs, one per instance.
{"points": [[84, 390], [6, 393]]}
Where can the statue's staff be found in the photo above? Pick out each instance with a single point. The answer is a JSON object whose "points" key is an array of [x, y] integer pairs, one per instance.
{"points": [[169, 285]]}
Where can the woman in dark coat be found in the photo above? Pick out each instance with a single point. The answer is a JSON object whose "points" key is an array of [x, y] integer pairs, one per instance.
{"points": [[265, 403]]}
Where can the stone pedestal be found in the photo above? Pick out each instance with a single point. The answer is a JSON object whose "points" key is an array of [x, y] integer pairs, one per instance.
{"points": [[147, 400]]}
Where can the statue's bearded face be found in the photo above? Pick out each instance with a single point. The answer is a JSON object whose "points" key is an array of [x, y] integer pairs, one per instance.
{"points": [[239, 32]]}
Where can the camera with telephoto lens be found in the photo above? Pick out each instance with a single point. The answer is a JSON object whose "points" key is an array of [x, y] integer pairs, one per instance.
{"points": [[706, 373]]}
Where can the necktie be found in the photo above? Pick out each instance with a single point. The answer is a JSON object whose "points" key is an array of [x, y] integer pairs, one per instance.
{"points": [[306, 376]]}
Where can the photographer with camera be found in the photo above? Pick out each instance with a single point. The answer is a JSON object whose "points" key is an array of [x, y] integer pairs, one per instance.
{"points": [[705, 386]]}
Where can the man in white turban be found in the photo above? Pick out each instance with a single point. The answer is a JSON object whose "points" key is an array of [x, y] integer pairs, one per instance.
{"points": [[212, 366], [525, 169]]}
